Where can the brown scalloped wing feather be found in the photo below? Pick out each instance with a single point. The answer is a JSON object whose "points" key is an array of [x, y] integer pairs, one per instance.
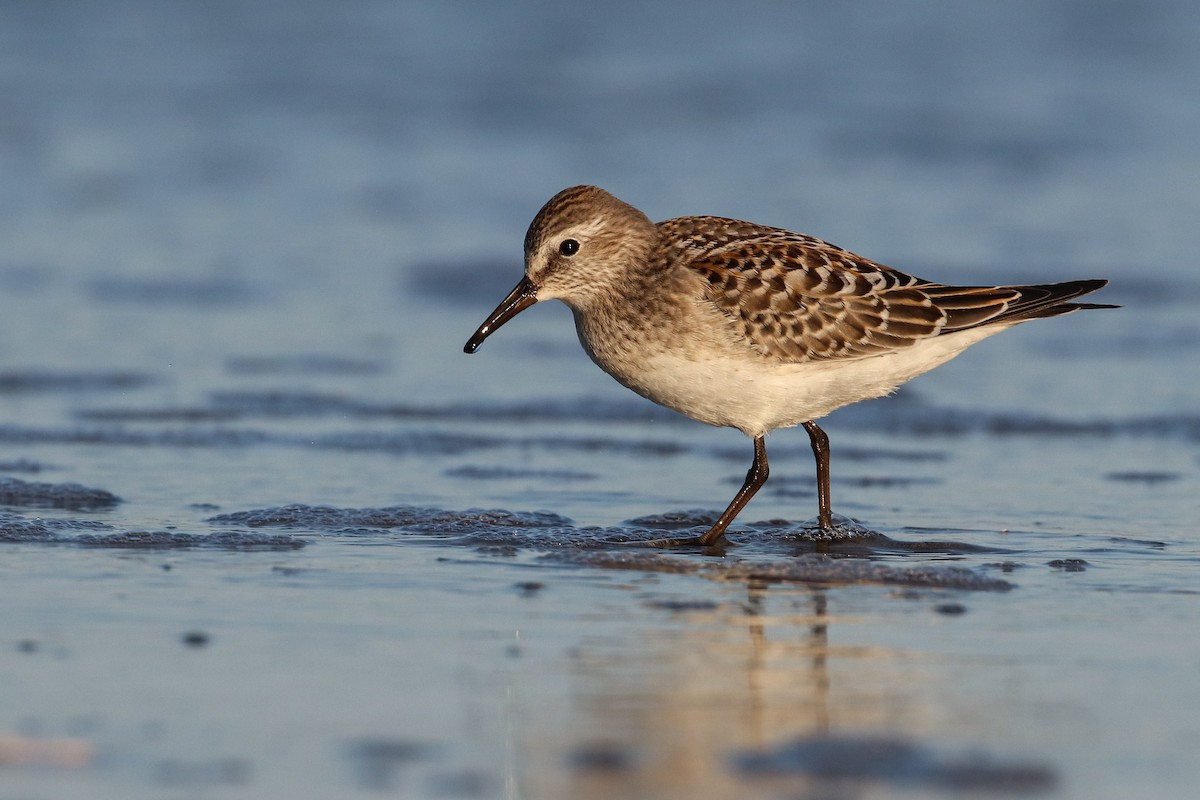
{"points": [[799, 298]]}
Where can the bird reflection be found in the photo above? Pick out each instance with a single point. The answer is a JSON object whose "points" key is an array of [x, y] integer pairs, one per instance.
{"points": [[660, 717]]}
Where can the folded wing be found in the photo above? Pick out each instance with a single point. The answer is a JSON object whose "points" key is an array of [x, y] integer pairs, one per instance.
{"points": [[802, 299]]}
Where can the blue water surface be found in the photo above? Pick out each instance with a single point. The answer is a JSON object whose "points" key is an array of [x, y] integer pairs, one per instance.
{"points": [[242, 454]]}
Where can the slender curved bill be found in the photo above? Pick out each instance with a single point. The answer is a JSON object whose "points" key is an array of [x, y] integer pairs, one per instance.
{"points": [[523, 295]]}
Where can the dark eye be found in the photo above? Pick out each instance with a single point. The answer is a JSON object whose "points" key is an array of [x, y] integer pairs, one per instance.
{"points": [[568, 247]]}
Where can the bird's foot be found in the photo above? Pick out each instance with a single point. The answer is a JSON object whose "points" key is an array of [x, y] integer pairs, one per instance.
{"points": [[836, 528], [701, 541]]}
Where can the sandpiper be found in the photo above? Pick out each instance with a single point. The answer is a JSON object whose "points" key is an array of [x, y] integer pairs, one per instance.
{"points": [[748, 326]]}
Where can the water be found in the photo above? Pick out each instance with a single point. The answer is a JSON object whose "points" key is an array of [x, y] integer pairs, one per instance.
{"points": [[244, 455]]}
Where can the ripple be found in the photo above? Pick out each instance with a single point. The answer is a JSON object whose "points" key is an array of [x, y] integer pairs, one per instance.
{"points": [[70, 496], [752, 554], [807, 568], [329, 518], [302, 364], [17, 529], [508, 473], [43, 381], [892, 760], [172, 290], [1149, 478], [22, 465], [171, 540]]}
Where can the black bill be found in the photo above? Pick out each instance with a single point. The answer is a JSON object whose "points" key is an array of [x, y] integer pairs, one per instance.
{"points": [[523, 295]]}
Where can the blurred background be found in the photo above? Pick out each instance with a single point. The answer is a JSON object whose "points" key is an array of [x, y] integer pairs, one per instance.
{"points": [[243, 243], [341, 164]]}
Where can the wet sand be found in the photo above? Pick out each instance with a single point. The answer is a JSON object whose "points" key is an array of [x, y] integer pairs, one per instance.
{"points": [[185, 638]]}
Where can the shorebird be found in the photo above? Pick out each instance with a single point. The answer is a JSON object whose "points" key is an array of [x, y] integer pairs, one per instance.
{"points": [[747, 326]]}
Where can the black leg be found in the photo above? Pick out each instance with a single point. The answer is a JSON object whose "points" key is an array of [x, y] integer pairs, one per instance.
{"points": [[820, 447], [755, 478]]}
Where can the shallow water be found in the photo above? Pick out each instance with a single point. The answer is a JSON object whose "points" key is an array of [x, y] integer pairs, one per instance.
{"points": [[267, 532]]}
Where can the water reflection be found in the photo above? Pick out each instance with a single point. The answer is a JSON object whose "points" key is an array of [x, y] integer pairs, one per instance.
{"points": [[743, 675], [747, 695]]}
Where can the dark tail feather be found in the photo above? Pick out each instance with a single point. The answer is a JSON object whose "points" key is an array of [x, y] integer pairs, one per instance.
{"points": [[971, 306], [1050, 300], [1062, 308]]}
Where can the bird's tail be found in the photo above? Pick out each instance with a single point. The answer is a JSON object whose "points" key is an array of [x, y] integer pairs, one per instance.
{"points": [[969, 307], [1050, 300]]}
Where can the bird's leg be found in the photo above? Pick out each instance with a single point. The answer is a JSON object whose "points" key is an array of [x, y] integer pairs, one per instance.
{"points": [[820, 447], [755, 478]]}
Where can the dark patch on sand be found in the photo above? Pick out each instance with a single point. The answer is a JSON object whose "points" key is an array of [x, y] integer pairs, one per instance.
{"points": [[328, 518], [813, 555], [1150, 478], [381, 761], [157, 415], [171, 540], [17, 529], [807, 568], [607, 759], [22, 465], [849, 759], [41, 381], [69, 496], [509, 473]]}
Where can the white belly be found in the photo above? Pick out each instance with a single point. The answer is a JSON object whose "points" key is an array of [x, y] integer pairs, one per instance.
{"points": [[756, 395]]}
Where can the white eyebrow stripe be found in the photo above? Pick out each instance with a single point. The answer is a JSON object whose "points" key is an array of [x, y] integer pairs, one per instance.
{"points": [[584, 230]]}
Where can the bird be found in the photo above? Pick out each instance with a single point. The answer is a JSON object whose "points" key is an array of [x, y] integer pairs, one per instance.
{"points": [[748, 326]]}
